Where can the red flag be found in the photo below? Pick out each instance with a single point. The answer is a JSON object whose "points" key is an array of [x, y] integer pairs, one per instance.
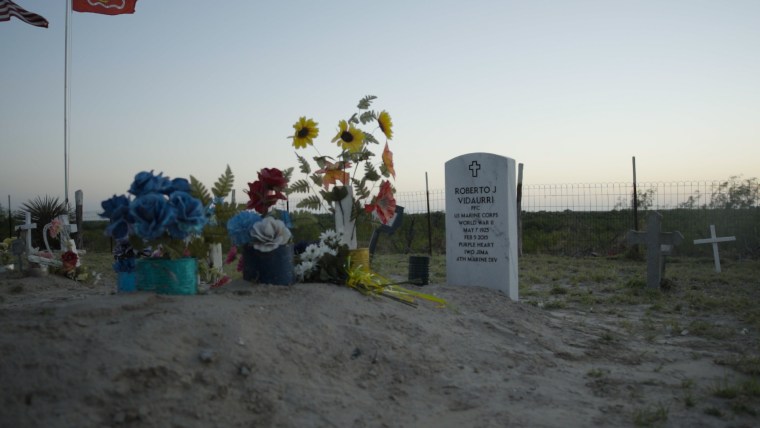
{"points": [[8, 9], [105, 7]]}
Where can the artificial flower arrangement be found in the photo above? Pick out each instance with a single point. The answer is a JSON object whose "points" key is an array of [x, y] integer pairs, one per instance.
{"points": [[353, 170], [323, 261], [6, 257], [160, 213], [258, 226], [219, 211], [66, 263]]}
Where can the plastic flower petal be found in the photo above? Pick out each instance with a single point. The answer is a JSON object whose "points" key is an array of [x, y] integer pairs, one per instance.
{"points": [[349, 137], [384, 204], [306, 132], [190, 216], [269, 233], [385, 123], [152, 215], [273, 178], [239, 227], [388, 160]]}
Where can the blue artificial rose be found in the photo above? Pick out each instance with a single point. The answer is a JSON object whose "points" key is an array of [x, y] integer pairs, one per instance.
{"points": [[239, 227], [152, 215], [117, 210], [179, 185], [112, 205], [146, 182], [190, 215]]}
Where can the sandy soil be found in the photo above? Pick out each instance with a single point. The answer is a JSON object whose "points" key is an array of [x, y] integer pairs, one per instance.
{"points": [[320, 355]]}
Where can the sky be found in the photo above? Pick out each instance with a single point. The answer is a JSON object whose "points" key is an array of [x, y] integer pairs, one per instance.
{"points": [[570, 89]]}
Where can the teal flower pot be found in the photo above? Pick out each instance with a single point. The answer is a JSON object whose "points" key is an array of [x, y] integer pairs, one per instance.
{"points": [[165, 276]]}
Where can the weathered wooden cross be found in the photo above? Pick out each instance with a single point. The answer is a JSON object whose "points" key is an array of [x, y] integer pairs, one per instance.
{"points": [[28, 226], [714, 239], [659, 244]]}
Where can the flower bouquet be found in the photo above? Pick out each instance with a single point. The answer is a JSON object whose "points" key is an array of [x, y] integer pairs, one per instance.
{"points": [[265, 240], [163, 215], [219, 211], [351, 184]]}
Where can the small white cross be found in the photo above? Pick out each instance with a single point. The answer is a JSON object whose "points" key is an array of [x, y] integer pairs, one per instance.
{"points": [[713, 239], [28, 226]]}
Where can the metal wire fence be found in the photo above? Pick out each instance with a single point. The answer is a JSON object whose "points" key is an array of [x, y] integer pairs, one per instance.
{"points": [[593, 218]]}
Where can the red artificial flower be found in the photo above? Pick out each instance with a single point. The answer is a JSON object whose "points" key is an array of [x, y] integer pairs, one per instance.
{"points": [[231, 255], [222, 281], [69, 260], [261, 197], [273, 178], [384, 204]]}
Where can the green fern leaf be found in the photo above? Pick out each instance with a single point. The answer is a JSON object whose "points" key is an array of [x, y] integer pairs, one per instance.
{"points": [[370, 172], [304, 164], [198, 190], [224, 184], [316, 179], [384, 171], [300, 186], [370, 138], [368, 116], [353, 119], [310, 203], [365, 102]]}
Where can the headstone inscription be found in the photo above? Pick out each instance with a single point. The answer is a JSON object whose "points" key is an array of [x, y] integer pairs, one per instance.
{"points": [[714, 239], [481, 222], [659, 244]]}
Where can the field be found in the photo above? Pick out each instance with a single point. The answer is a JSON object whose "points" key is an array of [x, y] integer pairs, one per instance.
{"points": [[588, 344]]}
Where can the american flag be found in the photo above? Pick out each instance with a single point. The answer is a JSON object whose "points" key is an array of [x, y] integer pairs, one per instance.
{"points": [[9, 9]]}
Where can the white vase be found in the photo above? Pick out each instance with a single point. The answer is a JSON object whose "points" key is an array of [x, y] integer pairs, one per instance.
{"points": [[343, 222], [215, 255]]}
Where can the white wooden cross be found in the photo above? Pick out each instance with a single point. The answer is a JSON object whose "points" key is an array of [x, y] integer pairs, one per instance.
{"points": [[64, 234], [28, 226], [714, 239]]}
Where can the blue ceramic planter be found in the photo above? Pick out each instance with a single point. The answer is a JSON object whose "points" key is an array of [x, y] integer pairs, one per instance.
{"points": [[273, 267]]}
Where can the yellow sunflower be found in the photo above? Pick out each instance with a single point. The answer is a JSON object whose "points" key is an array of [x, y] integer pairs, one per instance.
{"points": [[386, 125], [349, 138], [306, 132]]}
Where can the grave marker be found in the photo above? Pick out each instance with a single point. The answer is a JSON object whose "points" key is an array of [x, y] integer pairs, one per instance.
{"points": [[714, 239], [659, 244], [481, 222], [18, 248], [28, 226]]}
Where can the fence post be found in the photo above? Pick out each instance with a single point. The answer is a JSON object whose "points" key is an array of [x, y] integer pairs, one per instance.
{"points": [[519, 209], [635, 199], [79, 200]]}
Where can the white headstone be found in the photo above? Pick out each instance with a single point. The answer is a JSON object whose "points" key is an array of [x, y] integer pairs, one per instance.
{"points": [[714, 239], [481, 222]]}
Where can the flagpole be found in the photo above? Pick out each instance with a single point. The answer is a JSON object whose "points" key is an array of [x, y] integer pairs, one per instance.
{"points": [[66, 107]]}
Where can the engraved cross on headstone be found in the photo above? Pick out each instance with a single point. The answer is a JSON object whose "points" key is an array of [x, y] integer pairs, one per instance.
{"points": [[659, 244], [474, 167], [714, 239]]}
